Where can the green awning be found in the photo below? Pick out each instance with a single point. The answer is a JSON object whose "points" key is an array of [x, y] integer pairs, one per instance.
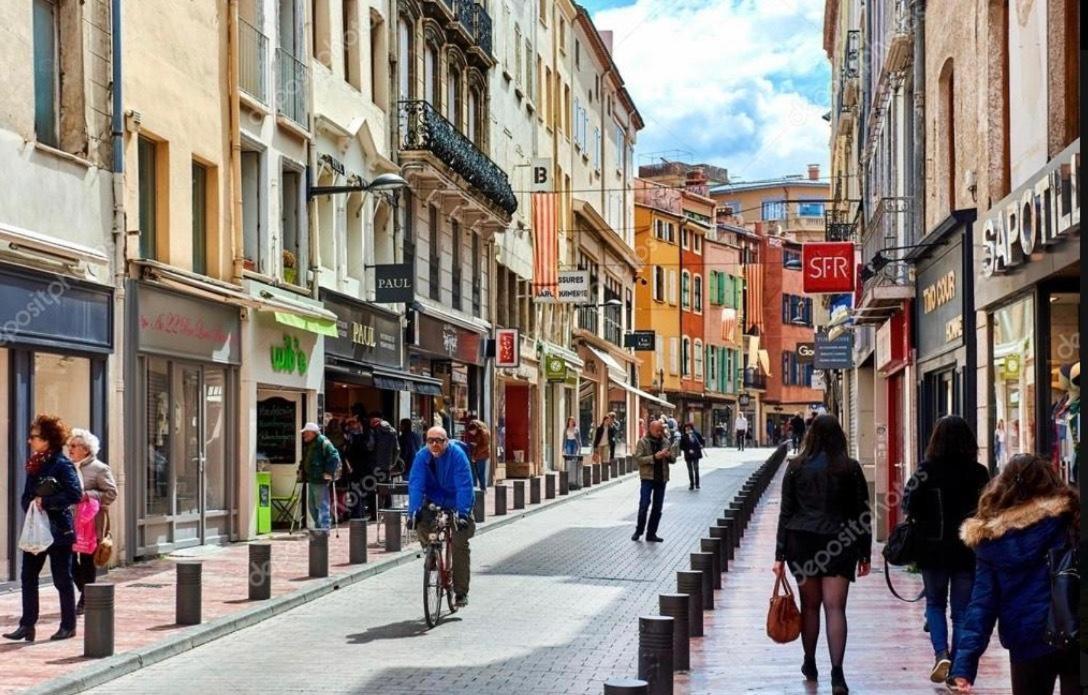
{"points": [[313, 325]]}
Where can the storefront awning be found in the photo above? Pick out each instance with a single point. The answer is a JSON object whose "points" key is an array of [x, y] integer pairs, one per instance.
{"points": [[313, 324], [392, 380], [642, 394], [616, 372]]}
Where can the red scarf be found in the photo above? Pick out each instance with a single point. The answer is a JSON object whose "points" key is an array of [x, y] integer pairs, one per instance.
{"points": [[36, 462]]}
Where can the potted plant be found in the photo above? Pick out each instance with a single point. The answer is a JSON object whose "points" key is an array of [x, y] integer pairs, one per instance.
{"points": [[290, 271]]}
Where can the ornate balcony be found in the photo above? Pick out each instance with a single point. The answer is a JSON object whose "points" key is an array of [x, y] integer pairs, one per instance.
{"points": [[424, 129], [467, 22]]}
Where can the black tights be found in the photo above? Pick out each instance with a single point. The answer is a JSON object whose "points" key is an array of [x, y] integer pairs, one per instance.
{"points": [[830, 592]]}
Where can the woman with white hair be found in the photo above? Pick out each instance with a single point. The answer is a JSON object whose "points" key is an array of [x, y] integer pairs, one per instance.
{"points": [[97, 484]]}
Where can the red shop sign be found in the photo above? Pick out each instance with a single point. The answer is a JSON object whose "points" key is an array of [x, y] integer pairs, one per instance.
{"points": [[506, 347], [829, 267]]}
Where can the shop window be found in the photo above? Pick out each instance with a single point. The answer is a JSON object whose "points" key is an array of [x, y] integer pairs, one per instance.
{"points": [[160, 438], [1013, 379], [1064, 339], [62, 387]]}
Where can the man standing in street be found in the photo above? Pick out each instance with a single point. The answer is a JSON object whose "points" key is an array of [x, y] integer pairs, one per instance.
{"points": [[741, 427], [797, 431], [441, 475], [320, 459], [654, 454], [479, 438], [613, 435]]}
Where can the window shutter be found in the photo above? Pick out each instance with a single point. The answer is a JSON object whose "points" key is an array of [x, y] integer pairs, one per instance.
{"points": [[738, 292], [713, 287]]}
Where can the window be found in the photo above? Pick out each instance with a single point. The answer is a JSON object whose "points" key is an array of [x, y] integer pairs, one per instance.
{"points": [[698, 290], [619, 147], [434, 256], [810, 209], [587, 314], [697, 354], [563, 35], [544, 12], [253, 226], [670, 227], [404, 59], [475, 131], [517, 53], [529, 70], [597, 148], [453, 99], [379, 62], [456, 264], [685, 357], [712, 367], [685, 237], [548, 99], [674, 355], [148, 174], [200, 219], [659, 284], [351, 39], [685, 289], [409, 235], [613, 315], [629, 308], [322, 39], [295, 261], [566, 110], [577, 54], [791, 259], [477, 280], [431, 87], [46, 71], [659, 230], [796, 311], [659, 354], [577, 119], [772, 210], [1013, 389], [672, 287], [697, 242]]}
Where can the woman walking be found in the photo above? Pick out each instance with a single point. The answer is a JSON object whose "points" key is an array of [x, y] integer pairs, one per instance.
{"points": [[939, 497], [691, 443], [52, 484], [824, 534], [572, 438], [1023, 514], [600, 441], [98, 485]]}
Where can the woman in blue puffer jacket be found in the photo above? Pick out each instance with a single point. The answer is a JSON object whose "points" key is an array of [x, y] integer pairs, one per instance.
{"points": [[1025, 512]]}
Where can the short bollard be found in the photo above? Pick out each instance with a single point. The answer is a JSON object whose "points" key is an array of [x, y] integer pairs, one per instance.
{"points": [[615, 465], [729, 520], [587, 476], [631, 466], [98, 620], [691, 584], [596, 469], [549, 485], [606, 471], [626, 686], [703, 563], [187, 600], [655, 653], [721, 534], [260, 571], [676, 607], [564, 484], [500, 500], [391, 521], [478, 507], [534, 490], [319, 552], [713, 546], [357, 533], [519, 494]]}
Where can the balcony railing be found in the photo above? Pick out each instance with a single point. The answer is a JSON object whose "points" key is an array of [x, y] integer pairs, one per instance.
{"points": [[291, 81], [423, 128], [754, 378], [481, 28], [252, 61]]}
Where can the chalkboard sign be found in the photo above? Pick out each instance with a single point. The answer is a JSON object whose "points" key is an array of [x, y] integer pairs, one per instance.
{"points": [[277, 429]]}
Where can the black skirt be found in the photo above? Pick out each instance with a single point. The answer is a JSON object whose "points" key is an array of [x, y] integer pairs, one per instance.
{"points": [[811, 555]]}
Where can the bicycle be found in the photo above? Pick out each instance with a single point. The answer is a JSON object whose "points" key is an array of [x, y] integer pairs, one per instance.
{"points": [[438, 566]]}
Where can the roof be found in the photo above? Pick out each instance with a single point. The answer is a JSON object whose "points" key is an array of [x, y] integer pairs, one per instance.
{"points": [[769, 183], [606, 55]]}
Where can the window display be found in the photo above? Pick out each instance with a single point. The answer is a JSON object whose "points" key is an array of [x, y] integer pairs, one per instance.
{"points": [[1064, 371], [1014, 379]]}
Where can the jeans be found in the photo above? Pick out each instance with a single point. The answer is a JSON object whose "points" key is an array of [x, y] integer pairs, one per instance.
{"points": [[693, 472], [83, 571], [570, 447], [1038, 675], [479, 473], [944, 587], [317, 497], [462, 554], [60, 565], [649, 489], [741, 435]]}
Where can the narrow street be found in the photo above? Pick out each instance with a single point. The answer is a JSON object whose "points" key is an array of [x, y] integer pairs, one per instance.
{"points": [[554, 606]]}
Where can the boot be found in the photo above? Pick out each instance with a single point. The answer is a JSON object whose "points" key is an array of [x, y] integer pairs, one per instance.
{"points": [[21, 633], [838, 681], [809, 670]]}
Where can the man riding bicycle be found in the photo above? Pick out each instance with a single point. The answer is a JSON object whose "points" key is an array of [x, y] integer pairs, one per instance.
{"points": [[441, 475]]}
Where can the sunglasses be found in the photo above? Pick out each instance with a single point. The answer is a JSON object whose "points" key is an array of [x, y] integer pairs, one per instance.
{"points": [[436, 440]]}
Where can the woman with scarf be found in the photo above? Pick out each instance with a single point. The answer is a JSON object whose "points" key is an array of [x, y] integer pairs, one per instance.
{"points": [[53, 485]]}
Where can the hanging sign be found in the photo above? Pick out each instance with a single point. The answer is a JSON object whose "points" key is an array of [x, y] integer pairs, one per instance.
{"points": [[828, 267], [507, 347], [393, 283]]}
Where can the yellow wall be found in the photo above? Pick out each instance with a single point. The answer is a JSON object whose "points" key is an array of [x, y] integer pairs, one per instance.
{"points": [[661, 317]]}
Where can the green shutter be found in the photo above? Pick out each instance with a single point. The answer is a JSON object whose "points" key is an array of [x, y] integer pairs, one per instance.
{"points": [[738, 291], [714, 287], [725, 290]]}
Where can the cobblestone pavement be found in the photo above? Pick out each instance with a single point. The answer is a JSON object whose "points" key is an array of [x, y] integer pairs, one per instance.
{"points": [[554, 606]]}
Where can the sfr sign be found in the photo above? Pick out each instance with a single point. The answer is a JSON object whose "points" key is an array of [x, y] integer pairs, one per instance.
{"points": [[828, 267]]}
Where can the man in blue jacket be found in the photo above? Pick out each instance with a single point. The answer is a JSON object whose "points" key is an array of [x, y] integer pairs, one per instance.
{"points": [[441, 475]]}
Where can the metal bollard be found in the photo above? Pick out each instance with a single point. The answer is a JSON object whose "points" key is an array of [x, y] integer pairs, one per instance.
{"points": [[519, 494], [391, 521], [730, 519], [691, 584], [260, 571], [549, 485], [187, 596], [357, 533], [721, 534], [655, 658], [319, 552], [534, 490], [596, 468], [606, 471], [500, 499], [703, 563], [478, 507], [98, 620], [587, 476], [713, 546], [676, 607], [626, 686], [615, 466], [564, 484]]}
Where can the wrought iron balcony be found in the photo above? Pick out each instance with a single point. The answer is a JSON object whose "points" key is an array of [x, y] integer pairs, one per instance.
{"points": [[422, 128], [252, 61], [470, 21], [481, 28]]}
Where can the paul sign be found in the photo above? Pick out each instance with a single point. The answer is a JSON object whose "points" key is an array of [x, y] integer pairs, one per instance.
{"points": [[829, 267], [393, 283]]}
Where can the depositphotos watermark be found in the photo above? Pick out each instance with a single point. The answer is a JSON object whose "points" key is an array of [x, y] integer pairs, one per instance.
{"points": [[39, 302]]}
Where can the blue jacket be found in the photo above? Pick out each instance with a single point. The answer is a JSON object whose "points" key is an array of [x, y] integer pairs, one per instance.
{"points": [[449, 485], [58, 506], [1012, 580]]}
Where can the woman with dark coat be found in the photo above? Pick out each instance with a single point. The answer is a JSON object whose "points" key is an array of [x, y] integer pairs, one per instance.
{"points": [[52, 484], [939, 497], [824, 533], [1024, 513], [691, 443]]}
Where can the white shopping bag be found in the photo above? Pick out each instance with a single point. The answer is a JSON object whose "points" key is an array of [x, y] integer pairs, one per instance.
{"points": [[36, 537]]}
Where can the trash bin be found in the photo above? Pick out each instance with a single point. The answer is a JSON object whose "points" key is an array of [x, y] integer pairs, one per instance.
{"points": [[264, 502]]}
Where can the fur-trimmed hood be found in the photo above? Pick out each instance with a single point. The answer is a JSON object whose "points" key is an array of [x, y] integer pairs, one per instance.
{"points": [[976, 530]]}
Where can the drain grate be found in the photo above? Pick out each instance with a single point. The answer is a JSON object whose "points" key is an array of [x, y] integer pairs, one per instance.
{"points": [[145, 585]]}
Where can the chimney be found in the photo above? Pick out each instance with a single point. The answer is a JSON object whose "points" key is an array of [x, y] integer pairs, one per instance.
{"points": [[813, 172], [606, 38]]}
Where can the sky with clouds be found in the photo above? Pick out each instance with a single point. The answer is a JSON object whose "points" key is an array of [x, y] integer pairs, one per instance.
{"points": [[738, 83]]}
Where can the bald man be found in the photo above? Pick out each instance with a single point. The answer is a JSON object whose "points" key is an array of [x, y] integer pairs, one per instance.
{"points": [[441, 475]]}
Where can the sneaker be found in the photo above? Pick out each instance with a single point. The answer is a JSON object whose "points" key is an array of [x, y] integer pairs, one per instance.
{"points": [[461, 600], [654, 539], [939, 674]]}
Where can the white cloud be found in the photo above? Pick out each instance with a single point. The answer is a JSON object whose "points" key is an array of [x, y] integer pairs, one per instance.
{"points": [[740, 83]]}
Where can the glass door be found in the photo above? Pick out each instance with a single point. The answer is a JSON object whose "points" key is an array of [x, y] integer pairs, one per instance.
{"points": [[189, 454], [216, 498]]}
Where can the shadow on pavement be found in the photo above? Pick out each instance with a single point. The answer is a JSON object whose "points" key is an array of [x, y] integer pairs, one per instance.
{"points": [[398, 630]]}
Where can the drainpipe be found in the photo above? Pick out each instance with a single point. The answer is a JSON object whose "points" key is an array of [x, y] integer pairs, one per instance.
{"points": [[233, 87], [918, 185]]}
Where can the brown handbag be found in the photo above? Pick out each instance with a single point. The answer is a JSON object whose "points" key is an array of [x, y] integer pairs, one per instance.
{"points": [[105, 547], [783, 618]]}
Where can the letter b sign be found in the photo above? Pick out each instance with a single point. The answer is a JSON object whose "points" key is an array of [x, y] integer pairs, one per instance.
{"points": [[541, 175]]}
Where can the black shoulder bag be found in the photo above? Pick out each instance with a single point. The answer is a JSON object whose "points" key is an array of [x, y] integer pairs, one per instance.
{"points": [[1062, 622]]}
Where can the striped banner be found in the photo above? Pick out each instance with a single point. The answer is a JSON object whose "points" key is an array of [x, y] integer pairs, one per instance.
{"points": [[753, 307], [545, 247], [729, 325]]}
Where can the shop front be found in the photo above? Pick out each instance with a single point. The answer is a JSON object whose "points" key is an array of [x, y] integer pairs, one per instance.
{"points": [[891, 415], [452, 355], [1028, 289], [183, 417], [56, 335], [562, 371], [517, 410]]}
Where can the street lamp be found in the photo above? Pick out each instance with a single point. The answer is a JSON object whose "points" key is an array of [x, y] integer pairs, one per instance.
{"points": [[383, 183]]}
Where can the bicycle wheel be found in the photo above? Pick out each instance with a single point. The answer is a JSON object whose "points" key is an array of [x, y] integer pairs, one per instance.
{"points": [[433, 587], [448, 549]]}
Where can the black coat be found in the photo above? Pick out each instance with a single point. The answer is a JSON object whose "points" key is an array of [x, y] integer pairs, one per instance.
{"points": [[692, 446], [940, 497], [58, 506], [818, 499]]}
